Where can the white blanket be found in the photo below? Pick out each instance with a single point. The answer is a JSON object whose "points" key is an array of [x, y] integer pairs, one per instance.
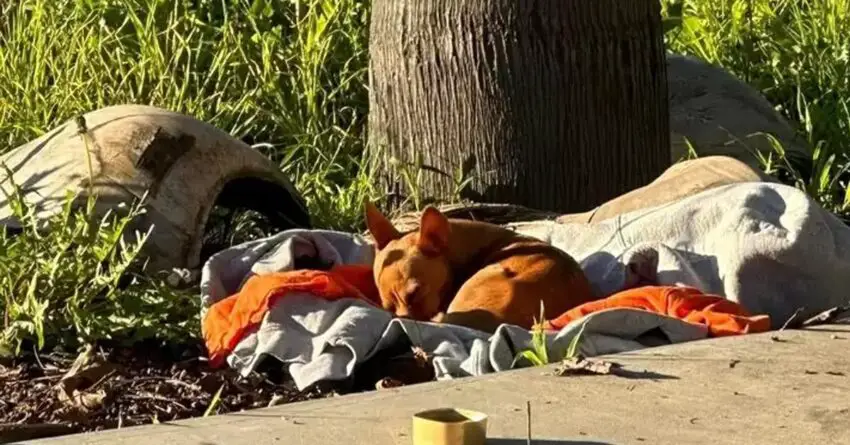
{"points": [[766, 246]]}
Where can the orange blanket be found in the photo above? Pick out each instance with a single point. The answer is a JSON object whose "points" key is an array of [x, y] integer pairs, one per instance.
{"points": [[722, 317], [227, 321]]}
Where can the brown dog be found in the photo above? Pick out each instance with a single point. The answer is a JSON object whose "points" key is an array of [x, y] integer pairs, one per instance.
{"points": [[471, 273]]}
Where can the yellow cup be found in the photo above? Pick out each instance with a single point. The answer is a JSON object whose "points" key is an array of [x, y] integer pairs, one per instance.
{"points": [[449, 426]]}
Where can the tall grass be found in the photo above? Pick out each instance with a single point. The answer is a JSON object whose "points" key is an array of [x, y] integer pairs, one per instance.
{"points": [[797, 53], [72, 279], [291, 74], [288, 74]]}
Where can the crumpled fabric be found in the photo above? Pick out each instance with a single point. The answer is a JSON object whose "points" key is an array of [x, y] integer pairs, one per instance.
{"points": [[767, 247]]}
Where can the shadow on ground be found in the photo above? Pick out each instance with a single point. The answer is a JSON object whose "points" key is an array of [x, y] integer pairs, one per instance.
{"points": [[512, 441], [509, 441], [642, 375]]}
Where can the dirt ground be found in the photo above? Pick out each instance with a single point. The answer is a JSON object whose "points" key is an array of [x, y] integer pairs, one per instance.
{"points": [[108, 387], [56, 394]]}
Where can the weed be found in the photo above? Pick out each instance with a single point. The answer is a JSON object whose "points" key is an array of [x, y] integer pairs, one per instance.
{"points": [[216, 400], [538, 354], [71, 278], [797, 53]]}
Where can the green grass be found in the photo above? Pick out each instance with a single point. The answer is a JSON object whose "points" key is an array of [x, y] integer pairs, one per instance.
{"points": [[71, 280], [797, 53], [292, 75]]}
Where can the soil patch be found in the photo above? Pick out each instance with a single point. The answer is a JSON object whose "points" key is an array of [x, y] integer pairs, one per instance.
{"points": [[52, 394]]}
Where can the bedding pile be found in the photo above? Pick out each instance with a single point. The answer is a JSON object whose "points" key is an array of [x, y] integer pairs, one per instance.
{"points": [[731, 260]]}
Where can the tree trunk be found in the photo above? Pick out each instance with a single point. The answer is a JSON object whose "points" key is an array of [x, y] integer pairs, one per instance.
{"points": [[557, 105]]}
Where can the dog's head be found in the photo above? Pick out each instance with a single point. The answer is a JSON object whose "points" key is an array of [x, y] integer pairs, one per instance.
{"points": [[412, 271]]}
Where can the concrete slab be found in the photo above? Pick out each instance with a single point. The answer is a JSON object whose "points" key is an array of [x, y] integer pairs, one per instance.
{"points": [[739, 390]]}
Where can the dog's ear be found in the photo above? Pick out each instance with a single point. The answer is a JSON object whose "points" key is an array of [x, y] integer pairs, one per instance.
{"points": [[433, 231], [379, 226]]}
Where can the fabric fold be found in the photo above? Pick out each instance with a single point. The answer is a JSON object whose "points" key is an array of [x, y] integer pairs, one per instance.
{"points": [[720, 316], [226, 322]]}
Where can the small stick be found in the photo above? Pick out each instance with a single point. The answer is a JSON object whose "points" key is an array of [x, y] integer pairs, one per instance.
{"points": [[787, 323], [102, 379], [168, 380], [528, 421], [149, 396], [793, 317], [37, 358]]}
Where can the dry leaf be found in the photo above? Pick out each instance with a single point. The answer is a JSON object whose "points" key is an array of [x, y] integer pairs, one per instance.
{"points": [[10, 373], [581, 365], [87, 370], [422, 357], [84, 401], [77, 388]]}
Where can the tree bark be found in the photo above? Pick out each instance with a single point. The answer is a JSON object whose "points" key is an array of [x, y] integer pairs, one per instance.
{"points": [[557, 105]]}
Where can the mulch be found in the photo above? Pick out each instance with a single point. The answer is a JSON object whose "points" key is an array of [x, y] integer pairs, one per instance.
{"points": [[113, 387], [107, 387]]}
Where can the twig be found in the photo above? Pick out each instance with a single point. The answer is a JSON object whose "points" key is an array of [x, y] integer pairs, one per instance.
{"points": [[161, 409], [101, 380], [528, 421], [58, 360], [24, 420], [168, 380], [16, 380], [241, 388], [37, 358], [82, 130], [157, 398], [775, 337], [793, 317]]}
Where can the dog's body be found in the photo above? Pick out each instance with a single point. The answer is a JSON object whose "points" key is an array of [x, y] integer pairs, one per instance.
{"points": [[472, 273]]}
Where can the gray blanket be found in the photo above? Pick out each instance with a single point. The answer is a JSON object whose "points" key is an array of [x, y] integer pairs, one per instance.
{"points": [[767, 246]]}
